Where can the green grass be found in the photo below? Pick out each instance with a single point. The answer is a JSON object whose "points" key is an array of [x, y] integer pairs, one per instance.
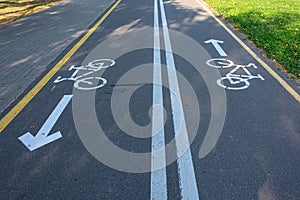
{"points": [[272, 25]]}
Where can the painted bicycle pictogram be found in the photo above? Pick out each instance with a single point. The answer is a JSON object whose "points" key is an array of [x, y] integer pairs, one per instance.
{"points": [[233, 80], [84, 81]]}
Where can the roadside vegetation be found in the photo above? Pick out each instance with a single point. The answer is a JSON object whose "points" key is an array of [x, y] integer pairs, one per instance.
{"points": [[16, 9], [272, 25]]}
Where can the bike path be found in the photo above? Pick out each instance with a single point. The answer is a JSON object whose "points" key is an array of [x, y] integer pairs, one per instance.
{"points": [[260, 130], [255, 157], [30, 45]]}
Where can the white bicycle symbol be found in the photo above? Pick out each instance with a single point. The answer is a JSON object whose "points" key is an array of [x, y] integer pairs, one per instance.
{"points": [[85, 82], [231, 80]]}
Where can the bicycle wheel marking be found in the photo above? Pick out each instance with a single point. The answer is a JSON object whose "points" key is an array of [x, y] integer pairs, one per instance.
{"points": [[222, 63], [85, 81], [240, 80], [233, 80]]}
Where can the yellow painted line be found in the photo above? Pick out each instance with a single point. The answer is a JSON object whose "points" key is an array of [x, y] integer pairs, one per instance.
{"points": [[33, 92], [265, 65]]}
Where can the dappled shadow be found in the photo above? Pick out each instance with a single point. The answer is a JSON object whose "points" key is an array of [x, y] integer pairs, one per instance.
{"points": [[14, 10], [234, 169], [238, 164], [5, 4], [225, 173]]}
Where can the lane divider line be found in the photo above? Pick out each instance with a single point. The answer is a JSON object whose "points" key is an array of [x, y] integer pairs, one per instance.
{"points": [[158, 176], [187, 179], [282, 82], [33, 92]]}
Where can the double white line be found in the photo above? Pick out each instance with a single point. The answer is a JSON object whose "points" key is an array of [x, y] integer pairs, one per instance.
{"points": [[187, 180]]}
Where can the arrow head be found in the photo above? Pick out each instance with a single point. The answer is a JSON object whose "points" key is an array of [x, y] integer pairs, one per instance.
{"points": [[35, 142], [213, 41]]}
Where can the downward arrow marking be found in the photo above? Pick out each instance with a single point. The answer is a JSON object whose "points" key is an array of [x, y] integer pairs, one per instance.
{"points": [[42, 138]]}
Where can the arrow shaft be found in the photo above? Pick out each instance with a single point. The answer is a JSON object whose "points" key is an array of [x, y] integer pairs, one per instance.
{"points": [[48, 125], [42, 138], [217, 46], [219, 49]]}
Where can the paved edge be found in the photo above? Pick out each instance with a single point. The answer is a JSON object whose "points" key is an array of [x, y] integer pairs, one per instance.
{"points": [[5, 121]]}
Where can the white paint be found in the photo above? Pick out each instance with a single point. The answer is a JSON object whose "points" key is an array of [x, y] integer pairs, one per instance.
{"points": [[72, 77], [244, 83], [220, 63], [187, 180], [239, 81], [158, 177], [87, 83], [233, 80], [215, 43], [42, 138], [84, 81]]}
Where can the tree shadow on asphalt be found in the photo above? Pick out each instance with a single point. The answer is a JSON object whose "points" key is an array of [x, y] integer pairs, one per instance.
{"points": [[228, 174], [223, 171], [236, 173]]}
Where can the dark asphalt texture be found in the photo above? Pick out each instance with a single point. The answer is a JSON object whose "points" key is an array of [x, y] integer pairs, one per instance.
{"points": [[256, 156]]}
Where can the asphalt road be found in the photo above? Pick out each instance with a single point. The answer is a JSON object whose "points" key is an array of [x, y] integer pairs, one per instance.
{"points": [[160, 102]]}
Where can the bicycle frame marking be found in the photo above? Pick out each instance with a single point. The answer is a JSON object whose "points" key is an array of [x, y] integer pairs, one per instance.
{"points": [[85, 79], [233, 78]]}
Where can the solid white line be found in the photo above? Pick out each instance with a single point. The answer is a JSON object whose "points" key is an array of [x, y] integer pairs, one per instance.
{"points": [[158, 177], [186, 173]]}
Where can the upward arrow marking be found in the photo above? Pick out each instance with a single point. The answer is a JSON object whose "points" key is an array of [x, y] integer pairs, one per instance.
{"points": [[215, 43]]}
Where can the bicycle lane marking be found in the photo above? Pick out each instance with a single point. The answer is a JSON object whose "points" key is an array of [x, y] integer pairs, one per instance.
{"points": [[92, 67], [282, 82], [5, 121], [231, 76]]}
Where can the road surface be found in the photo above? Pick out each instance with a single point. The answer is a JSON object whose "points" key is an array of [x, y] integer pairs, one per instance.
{"points": [[160, 100]]}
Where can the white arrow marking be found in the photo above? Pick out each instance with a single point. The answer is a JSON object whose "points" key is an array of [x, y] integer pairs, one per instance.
{"points": [[42, 138], [215, 43]]}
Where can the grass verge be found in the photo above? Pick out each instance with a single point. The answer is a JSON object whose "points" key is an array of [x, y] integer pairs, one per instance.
{"points": [[272, 25], [16, 9]]}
